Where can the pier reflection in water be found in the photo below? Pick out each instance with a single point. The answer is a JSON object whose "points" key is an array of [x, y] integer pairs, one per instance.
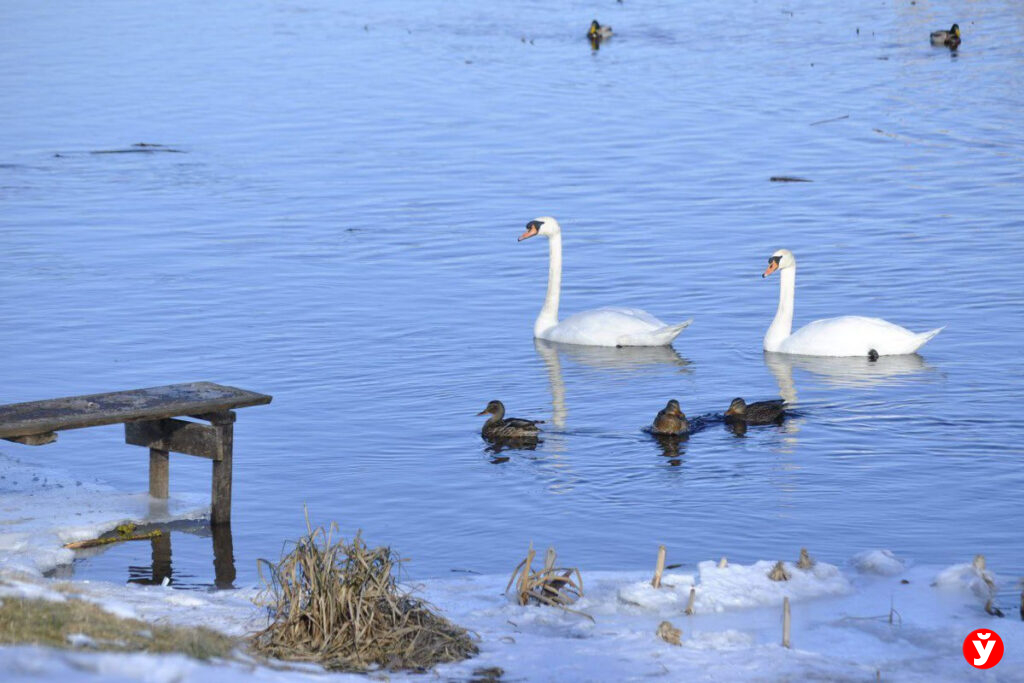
{"points": [[161, 565]]}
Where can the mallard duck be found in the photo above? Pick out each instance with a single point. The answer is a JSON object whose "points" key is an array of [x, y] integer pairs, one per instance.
{"points": [[598, 32], [950, 38], [498, 426], [760, 413], [670, 420]]}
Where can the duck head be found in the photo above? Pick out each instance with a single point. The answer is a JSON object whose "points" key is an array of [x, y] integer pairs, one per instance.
{"points": [[955, 31], [672, 408], [594, 28], [545, 225], [783, 258], [496, 408], [738, 407]]}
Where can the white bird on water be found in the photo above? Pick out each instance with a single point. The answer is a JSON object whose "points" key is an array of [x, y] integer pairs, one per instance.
{"points": [[849, 335], [600, 327]]}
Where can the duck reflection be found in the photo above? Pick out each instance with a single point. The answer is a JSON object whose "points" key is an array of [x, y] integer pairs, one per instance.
{"points": [[673, 447], [495, 445]]}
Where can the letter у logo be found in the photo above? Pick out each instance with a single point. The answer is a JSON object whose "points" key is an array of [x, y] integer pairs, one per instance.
{"points": [[983, 648]]}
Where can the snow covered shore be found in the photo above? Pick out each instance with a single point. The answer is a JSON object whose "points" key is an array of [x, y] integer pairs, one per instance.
{"points": [[877, 617]]}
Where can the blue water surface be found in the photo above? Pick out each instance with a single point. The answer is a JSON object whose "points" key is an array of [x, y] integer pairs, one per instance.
{"points": [[336, 227]]}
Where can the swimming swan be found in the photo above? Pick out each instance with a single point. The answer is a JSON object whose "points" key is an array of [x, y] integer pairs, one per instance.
{"points": [[600, 327], [849, 335]]}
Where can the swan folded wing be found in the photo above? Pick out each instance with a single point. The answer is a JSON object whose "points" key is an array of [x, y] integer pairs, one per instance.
{"points": [[613, 327], [853, 335]]}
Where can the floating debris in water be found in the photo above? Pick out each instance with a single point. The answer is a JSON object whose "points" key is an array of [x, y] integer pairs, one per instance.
{"points": [[788, 179], [140, 148]]}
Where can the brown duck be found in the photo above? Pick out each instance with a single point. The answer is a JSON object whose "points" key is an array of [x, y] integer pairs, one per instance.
{"points": [[950, 38], [760, 413], [500, 427], [670, 420]]}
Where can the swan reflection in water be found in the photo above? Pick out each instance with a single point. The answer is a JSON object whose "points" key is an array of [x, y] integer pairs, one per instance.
{"points": [[843, 371], [627, 359]]}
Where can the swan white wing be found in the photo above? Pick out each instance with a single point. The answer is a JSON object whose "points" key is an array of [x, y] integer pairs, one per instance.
{"points": [[853, 335], [613, 327]]}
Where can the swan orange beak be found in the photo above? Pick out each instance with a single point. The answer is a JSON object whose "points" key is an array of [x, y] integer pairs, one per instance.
{"points": [[772, 267], [530, 232]]}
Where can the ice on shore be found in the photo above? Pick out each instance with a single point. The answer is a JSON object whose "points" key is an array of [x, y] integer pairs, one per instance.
{"points": [[882, 618], [32, 534]]}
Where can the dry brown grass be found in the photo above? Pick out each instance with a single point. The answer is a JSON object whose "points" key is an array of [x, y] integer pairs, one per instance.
{"points": [[49, 623], [338, 604], [554, 586]]}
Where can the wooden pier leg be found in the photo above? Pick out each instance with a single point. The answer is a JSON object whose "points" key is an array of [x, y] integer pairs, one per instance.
{"points": [[159, 473], [220, 492]]}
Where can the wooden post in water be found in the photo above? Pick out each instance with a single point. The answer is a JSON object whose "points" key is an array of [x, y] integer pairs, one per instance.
{"points": [[786, 619], [659, 568], [220, 495], [159, 473]]}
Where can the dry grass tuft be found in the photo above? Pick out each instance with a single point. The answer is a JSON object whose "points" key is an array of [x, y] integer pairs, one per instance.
{"points": [[554, 586], [669, 633], [338, 604], [779, 572], [63, 624]]}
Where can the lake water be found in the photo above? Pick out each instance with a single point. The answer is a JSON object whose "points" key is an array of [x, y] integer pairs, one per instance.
{"points": [[337, 228]]}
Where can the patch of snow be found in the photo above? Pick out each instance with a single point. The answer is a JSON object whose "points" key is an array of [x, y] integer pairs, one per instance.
{"points": [[80, 640], [32, 534], [967, 578], [881, 562]]}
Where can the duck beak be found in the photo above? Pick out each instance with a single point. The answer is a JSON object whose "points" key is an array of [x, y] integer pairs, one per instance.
{"points": [[772, 267], [530, 232], [482, 412], [730, 411]]}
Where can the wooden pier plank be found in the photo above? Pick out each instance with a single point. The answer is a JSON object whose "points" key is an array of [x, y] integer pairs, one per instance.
{"points": [[76, 412]]}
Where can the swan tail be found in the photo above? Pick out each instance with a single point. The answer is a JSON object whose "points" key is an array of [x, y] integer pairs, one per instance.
{"points": [[662, 336], [926, 337]]}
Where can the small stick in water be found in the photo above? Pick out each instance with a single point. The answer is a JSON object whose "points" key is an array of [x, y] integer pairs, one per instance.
{"points": [[723, 563], [693, 599], [805, 561], [669, 633], [786, 619], [659, 568]]}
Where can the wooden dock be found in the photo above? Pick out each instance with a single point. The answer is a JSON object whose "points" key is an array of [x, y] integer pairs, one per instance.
{"points": [[150, 420]]}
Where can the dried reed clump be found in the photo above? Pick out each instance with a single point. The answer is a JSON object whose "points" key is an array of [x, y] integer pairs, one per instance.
{"points": [[779, 573], [339, 604], [554, 586]]}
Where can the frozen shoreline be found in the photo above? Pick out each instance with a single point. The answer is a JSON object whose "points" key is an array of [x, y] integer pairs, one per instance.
{"points": [[841, 615]]}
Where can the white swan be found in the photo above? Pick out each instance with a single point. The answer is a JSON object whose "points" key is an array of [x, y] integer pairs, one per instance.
{"points": [[600, 327], [849, 335]]}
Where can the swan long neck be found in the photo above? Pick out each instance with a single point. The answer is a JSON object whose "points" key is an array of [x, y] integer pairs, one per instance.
{"points": [[782, 326], [549, 312]]}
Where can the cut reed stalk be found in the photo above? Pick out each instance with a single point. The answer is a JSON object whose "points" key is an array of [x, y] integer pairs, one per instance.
{"points": [[659, 567], [786, 622], [689, 603]]}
